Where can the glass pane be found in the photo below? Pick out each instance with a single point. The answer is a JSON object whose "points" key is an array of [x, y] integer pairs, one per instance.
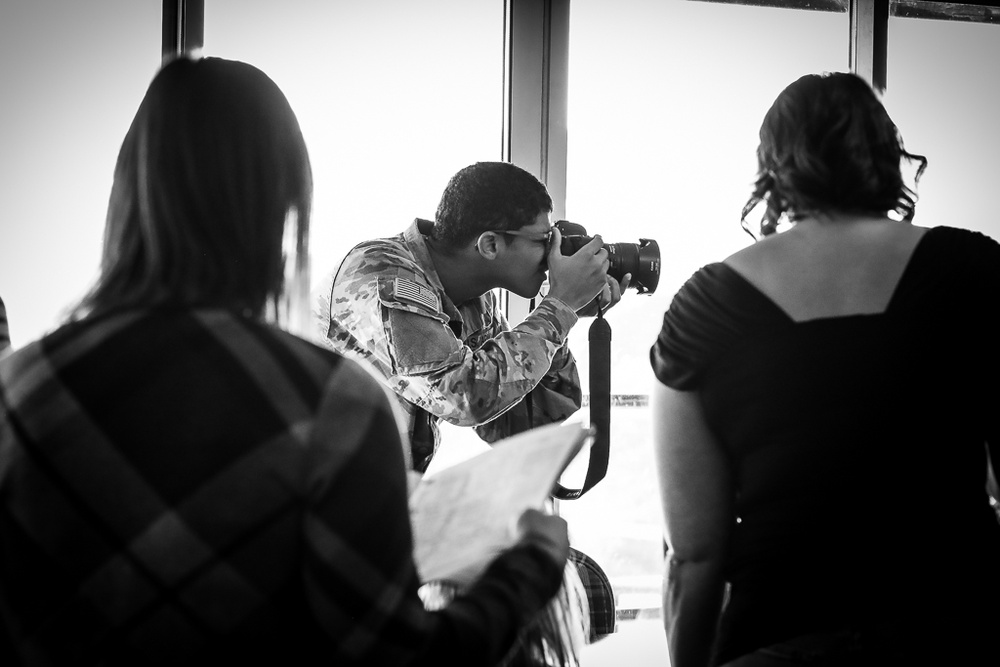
{"points": [[73, 75], [393, 97], [666, 100], [945, 105]]}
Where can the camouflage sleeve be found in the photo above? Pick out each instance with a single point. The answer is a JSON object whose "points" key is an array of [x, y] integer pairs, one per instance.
{"points": [[555, 398], [383, 307]]}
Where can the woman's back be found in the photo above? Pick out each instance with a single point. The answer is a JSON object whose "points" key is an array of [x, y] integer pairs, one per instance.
{"points": [[829, 396], [830, 267], [857, 429], [192, 486], [154, 484]]}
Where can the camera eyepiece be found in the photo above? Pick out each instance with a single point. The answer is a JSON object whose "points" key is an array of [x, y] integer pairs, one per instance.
{"points": [[641, 259]]}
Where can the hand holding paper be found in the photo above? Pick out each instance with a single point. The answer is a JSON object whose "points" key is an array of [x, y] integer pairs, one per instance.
{"points": [[547, 532], [462, 516]]}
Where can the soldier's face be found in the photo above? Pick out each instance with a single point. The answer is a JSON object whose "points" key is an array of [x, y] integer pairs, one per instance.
{"points": [[525, 264]]}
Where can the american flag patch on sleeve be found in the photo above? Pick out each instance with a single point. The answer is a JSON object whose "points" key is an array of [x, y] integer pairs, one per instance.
{"points": [[414, 292]]}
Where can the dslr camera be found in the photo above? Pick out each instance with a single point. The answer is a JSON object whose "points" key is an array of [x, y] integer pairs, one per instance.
{"points": [[641, 259]]}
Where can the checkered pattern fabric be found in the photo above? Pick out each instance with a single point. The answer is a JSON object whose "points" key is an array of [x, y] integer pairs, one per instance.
{"points": [[600, 595], [192, 487]]}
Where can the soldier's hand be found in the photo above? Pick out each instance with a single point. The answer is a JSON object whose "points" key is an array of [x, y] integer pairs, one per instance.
{"points": [[609, 296], [576, 279], [545, 531]]}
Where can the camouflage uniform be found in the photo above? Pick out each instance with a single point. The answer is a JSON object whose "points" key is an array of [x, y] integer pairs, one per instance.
{"points": [[464, 364]]}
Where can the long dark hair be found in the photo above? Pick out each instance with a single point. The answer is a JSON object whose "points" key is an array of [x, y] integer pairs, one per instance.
{"points": [[211, 170], [828, 144]]}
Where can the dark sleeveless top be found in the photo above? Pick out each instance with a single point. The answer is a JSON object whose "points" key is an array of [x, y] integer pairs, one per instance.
{"points": [[858, 449]]}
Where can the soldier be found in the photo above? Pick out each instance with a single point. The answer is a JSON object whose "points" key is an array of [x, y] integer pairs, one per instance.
{"points": [[420, 308]]}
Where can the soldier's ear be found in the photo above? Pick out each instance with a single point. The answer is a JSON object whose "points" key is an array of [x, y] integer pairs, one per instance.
{"points": [[488, 245]]}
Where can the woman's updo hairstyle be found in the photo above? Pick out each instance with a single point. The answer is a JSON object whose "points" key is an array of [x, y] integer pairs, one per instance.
{"points": [[828, 144]]}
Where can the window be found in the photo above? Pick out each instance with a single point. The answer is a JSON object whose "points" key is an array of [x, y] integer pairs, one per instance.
{"points": [[73, 77], [393, 98], [946, 111], [666, 100]]}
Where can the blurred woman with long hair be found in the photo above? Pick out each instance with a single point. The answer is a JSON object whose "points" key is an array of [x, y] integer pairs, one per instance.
{"points": [[184, 482]]}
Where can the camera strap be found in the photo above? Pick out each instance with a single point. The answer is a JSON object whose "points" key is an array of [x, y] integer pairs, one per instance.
{"points": [[600, 408]]}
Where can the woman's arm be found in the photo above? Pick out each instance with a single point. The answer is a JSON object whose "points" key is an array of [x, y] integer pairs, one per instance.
{"points": [[358, 569], [696, 492]]}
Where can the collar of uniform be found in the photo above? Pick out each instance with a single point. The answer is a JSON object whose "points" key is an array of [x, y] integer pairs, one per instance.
{"points": [[417, 243]]}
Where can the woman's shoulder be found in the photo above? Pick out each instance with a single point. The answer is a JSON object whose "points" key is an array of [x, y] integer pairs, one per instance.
{"points": [[718, 292], [954, 262], [714, 310], [946, 239], [949, 254], [302, 349]]}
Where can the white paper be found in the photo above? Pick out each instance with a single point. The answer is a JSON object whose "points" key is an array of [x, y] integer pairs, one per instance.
{"points": [[463, 516]]}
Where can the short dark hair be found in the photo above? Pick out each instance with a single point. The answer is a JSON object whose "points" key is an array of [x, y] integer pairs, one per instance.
{"points": [[827, 143], [210, 172], [488, 196]]}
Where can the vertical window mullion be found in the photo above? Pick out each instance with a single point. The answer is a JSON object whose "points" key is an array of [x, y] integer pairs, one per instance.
{"points": [[869, 26], [183, 27], [536, 99]]}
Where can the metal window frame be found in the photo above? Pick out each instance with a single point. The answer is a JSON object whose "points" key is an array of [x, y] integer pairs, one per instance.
{"points": [[536, 102], [868, 50], [183, 27]]}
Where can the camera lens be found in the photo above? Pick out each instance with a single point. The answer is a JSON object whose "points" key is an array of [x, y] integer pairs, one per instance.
{"points": [[641, 259]]}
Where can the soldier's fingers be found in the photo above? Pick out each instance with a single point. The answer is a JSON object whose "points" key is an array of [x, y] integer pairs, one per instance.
{"points": [[555, 243], [626, 281], [615, 290], [595, 245]]}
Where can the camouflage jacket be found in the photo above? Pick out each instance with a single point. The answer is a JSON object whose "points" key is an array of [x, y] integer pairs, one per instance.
{"points": [[385, 304]]}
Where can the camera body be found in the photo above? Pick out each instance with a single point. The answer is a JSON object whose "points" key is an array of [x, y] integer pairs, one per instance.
{"points": [[641, 259]]}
